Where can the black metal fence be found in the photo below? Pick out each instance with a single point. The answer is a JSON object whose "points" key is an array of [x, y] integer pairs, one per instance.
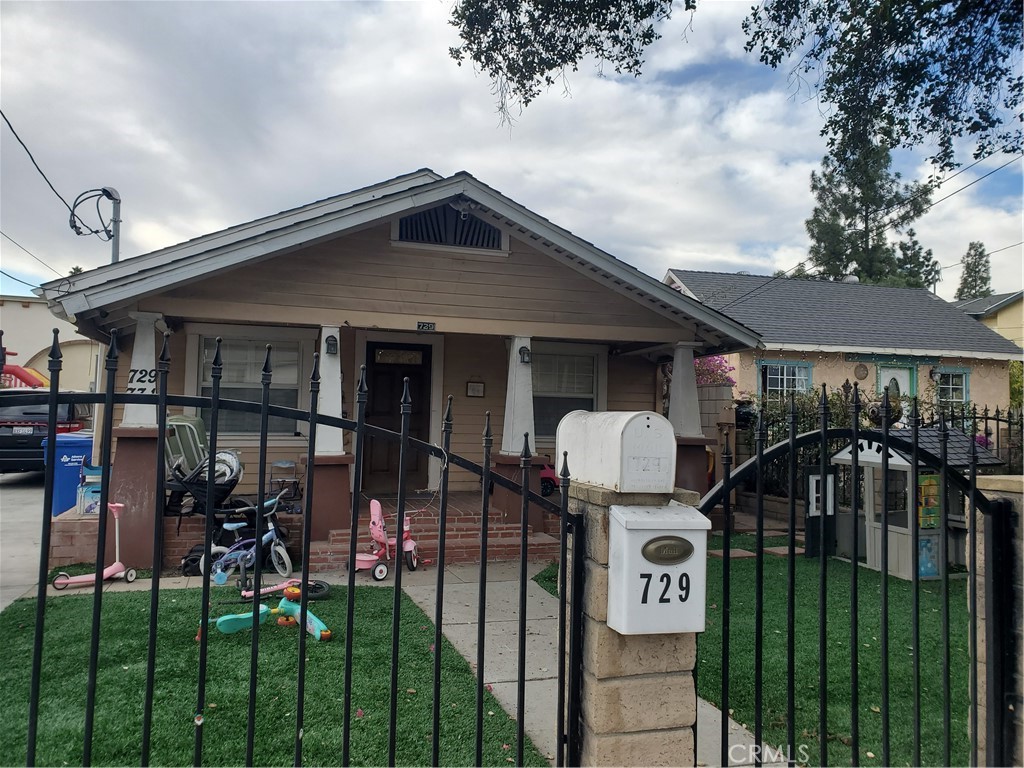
{"points": [[569, 624], [874, 671]]}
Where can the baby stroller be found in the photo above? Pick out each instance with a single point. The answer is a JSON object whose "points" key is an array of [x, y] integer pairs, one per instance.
{"points": [[187, 492]]}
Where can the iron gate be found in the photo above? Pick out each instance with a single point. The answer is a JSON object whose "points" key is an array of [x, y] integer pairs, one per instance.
{"points": [[566, 723], [865, 662]]}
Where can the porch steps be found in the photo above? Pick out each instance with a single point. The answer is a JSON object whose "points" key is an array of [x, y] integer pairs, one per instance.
{"points": [[462, 544]]}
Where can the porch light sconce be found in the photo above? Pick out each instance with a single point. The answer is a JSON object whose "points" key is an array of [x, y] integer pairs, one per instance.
{"points": [[331, 343], [524, 355]]}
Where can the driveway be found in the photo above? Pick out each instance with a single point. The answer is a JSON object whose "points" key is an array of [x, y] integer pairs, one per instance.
{"points": [[21, 504]]}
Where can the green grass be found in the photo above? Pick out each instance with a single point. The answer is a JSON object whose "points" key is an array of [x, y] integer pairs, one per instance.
{"points": [[741, 659], [122, 674], [548, 578]]}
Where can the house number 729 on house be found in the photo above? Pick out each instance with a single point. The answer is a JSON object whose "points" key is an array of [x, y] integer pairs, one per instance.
{"points": [[141, 381], [663, 583]]}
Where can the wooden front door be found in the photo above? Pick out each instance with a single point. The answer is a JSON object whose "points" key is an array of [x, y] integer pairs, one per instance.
{"points": [[387, 366]]}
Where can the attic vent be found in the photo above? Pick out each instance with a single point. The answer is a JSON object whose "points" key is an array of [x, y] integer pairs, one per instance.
{"points": [[444, 225]]}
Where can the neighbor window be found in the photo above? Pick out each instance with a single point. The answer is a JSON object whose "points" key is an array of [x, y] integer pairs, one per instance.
{"points": [[782, 378], [243, 361], [561, 383], [952, 387]]}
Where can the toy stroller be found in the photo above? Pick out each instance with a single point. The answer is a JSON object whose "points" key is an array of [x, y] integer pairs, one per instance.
{"points": [[377, 561]]}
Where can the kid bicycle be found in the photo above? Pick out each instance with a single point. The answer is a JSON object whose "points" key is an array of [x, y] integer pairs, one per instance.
{"points": [[242, 554]]}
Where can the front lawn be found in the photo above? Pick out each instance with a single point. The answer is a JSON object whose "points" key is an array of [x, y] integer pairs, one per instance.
{"points": [[741, 662], [122, 676]]}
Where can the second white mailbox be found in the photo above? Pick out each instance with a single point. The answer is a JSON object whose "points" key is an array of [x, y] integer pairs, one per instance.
{"points": [[657, 569]]}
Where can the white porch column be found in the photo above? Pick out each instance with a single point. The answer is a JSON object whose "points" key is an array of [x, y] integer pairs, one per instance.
{"points": [[142, 375], [518, 401], [683, 408], [330, 440]]}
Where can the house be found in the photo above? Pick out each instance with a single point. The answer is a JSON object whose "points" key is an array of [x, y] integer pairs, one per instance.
{"points": [[440, 279], [818, 332], [28, 335], [1003, 313]]}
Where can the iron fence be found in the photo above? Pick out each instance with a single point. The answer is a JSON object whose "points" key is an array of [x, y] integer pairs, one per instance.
{"points": [[569, 623]]}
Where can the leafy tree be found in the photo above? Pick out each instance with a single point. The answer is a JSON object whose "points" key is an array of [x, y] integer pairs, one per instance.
{"points": [[75, 270], [916, 267], [1016, 383], [975, 280], [905, 73], [856, 203]]}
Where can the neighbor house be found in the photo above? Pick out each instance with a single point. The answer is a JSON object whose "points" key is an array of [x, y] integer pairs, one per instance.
{"points": [[818, 332], [1002, 312], [443, 280]]}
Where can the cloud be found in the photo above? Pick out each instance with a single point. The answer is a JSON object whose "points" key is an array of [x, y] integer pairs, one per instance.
{"points": [[206, 115]]}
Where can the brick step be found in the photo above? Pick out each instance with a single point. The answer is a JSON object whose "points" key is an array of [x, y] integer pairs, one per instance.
{"points": [[541, 547], [425, 531]]}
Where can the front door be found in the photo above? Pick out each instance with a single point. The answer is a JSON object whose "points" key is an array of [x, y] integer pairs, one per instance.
{"points": [[898, 379], [387, 366]]}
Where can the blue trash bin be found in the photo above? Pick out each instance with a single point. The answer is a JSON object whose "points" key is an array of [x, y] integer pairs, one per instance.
{"points": [[73, 450]]}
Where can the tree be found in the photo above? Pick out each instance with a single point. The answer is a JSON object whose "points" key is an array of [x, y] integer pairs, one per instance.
{"points": [[856, 204], [915, 266], [75, 270], [904, 73], [975, 280]]}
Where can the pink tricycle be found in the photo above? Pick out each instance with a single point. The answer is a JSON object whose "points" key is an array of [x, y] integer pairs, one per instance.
{"points": [[377, 560]]}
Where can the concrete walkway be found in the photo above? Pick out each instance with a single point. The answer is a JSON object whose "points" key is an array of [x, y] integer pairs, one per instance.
{"points": [[20, 530]]}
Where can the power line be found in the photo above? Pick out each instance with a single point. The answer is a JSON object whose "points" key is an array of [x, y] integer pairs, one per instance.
{"points": [[71, 210], [26, 250], [17, 280], [760, 287], [997, 250], [30, 157]]}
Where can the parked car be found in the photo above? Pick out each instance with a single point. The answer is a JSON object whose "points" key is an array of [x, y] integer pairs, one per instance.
{"points": [[23, 429]]}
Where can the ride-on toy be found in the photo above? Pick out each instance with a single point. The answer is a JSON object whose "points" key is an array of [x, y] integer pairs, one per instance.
{"points": [[115, 570], [377, 560]]}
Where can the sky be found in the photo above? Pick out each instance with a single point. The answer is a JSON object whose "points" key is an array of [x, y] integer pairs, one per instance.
{"points": [[203, 115]]}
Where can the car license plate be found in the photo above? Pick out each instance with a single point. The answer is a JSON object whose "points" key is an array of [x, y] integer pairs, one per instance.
{"points": [[23, 430]]}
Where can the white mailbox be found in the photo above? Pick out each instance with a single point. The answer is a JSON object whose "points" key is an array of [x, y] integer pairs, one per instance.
{"points": [[626, 451], [657, 569]]}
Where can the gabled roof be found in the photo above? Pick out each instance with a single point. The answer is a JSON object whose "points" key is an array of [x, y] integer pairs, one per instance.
{"points": [[958, 450], [123, 283], [988, 305], [820, 315]]}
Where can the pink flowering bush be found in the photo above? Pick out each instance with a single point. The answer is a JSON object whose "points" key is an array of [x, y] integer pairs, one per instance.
{"points": [[713, 370]]}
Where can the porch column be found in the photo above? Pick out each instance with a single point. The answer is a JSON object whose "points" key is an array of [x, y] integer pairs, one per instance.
{"points": [[142, 376], [332, 495], [683, 408], [331, 382], [518, 400], [684, 415]]}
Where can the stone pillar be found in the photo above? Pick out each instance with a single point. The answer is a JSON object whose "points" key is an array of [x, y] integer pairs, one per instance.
{"points": [[639, 703], [142, 375], [1006, 487]]}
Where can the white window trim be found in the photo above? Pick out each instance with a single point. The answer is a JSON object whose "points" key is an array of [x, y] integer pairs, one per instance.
{"points": [[196, 332], [598, 351]]}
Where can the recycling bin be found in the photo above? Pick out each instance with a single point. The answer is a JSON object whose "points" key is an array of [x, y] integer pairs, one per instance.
{"points": [[72, 451]]}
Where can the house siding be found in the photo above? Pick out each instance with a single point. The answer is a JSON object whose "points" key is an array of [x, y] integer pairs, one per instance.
{"points": [[1009, 322], [363, 279], [989, 380]]}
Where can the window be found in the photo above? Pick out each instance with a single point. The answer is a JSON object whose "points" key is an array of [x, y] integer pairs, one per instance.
{"points": [[561, 383], [243, 369], [952, 387], [782, 378]]}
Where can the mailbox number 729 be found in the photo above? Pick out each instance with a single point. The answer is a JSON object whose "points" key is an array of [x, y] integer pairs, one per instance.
{"points": [[665, 580]]}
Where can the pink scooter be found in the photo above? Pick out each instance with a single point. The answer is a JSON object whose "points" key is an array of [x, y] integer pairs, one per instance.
{"points": [[115, 570], [377, 561]]}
